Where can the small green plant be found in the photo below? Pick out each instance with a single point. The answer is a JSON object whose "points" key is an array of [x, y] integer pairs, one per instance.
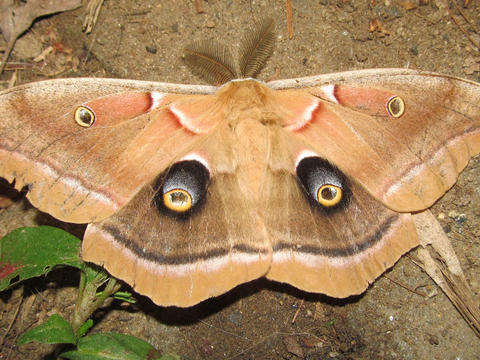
{"points": [[30, 252]]}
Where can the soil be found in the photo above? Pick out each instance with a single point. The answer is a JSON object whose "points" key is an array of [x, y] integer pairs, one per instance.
{"points": [[262, 319]]}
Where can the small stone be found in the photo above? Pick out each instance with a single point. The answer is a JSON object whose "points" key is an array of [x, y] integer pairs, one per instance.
{"points": [[413, 50], [457, 217], [461, 219], [151, 49], [433, 340], [361, 56], [236, 318], [447, 229], [205, 348], [210, 24], [452, 214]]}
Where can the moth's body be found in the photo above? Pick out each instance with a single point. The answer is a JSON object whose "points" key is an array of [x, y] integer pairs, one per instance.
{"points": [[380, 143], [246, 119]]}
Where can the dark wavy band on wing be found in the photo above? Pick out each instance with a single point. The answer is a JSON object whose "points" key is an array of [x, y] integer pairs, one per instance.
{"points": [[367, 242], [179, 259]]}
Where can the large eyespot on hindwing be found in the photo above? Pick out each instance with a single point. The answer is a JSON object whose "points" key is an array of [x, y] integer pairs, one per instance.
{"points": [[181, 188], [324, 185]]}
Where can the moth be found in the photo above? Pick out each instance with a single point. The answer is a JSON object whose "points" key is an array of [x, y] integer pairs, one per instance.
{"points": [[190, 191]]}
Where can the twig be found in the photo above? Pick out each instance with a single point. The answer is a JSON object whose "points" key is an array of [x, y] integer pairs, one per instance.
{"points": [[288, 10], [17, 310], [459, 9], [477, 45], [93, 10], [455, 288], [13, 79], [425, 18], [317, 310], [6, 54], [404, 286], [297, 312], [199, 6]]}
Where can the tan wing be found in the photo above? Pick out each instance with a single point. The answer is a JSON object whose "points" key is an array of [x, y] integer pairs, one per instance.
{"points": [[80, 174], [338, 251], [406, 162], [184, 259]]}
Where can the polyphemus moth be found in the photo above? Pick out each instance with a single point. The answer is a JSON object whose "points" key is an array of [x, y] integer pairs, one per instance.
{"points": [[191, 190]]}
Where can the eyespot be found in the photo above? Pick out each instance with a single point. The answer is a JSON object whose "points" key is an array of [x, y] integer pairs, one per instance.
{"points": [[329, 195], [396, 106], [177, 200], [84, 116], [182, 187], [324, 184]]}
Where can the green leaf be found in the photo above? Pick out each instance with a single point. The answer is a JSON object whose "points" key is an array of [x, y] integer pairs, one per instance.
{"points": [[124, 296], [84, 328], [95, 274], [330, 323], [56, 330], [113, 346], [31, 252]]}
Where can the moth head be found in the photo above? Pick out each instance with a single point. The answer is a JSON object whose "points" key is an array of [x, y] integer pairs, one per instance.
{"points": [[323, 184], [181, 189]]}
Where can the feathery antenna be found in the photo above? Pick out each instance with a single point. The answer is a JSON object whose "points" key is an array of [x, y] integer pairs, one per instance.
{"points": [[213, 62], [256, 48]]}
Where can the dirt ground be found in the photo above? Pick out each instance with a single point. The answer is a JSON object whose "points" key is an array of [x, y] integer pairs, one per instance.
{"points": [[265, 320]]}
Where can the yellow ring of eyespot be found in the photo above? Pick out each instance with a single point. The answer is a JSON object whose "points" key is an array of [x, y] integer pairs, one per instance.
{"points": [[336, 190], [171, 200], [396, 106], [81, 113]]}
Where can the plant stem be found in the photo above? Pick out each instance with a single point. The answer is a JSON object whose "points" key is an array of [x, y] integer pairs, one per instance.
{"points": [[88, 301]]}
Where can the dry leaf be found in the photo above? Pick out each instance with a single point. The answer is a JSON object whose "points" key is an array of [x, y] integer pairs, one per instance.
{"points": [[292, 345], [447, 273], [407, 5], [376, 25], [14, 21], [471, 65]]}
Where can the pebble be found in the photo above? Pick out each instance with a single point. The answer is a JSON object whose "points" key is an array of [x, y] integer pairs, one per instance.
{"points": [[236, 318]]}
